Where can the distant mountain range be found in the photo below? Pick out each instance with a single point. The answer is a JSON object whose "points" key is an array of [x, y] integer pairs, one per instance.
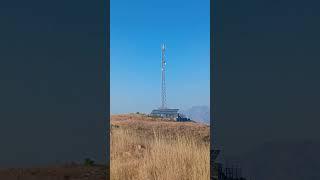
{"points": [[198, 113]]}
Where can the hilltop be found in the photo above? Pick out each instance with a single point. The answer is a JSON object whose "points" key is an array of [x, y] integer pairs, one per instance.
{"points": [[144, 147], [147, 126]]}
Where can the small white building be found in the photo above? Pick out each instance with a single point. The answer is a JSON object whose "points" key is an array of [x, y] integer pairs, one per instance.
{"points": [[165, 113]]}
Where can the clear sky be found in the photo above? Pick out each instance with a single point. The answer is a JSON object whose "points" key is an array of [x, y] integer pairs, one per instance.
{"points": [[137, 29]]}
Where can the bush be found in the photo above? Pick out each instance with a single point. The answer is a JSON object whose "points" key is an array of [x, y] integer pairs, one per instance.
{"points": [[88, 162]]}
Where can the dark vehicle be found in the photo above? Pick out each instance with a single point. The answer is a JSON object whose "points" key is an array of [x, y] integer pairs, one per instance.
{"points": [[182, 118]]}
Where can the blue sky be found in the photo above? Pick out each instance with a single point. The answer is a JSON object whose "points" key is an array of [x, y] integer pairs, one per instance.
{"points": [[137, 30]]}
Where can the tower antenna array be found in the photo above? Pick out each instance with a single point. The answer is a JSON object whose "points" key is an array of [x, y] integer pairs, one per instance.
{"points": [[163, 78]]}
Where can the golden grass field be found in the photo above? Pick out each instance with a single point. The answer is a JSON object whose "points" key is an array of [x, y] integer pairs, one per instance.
{"points": [[145, 148]]}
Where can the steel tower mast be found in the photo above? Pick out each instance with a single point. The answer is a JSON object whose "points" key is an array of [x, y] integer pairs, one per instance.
{"points": [[163, 78]]}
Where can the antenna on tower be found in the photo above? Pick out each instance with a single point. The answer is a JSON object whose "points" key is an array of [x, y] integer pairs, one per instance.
{"points": [[163, 111], [163, 78]]}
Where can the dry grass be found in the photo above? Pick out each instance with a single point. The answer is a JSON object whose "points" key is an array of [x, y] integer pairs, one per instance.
{"points": [[154, 155]]}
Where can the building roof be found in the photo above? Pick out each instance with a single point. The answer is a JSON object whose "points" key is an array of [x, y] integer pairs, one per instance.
{"points": [[165, 111]]}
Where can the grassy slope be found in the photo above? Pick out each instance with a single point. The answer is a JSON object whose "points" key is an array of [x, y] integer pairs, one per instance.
{"points": [[150, 148]]}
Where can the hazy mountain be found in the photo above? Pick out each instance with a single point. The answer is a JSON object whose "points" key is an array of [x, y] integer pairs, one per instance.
{"points": [[198, 113]]}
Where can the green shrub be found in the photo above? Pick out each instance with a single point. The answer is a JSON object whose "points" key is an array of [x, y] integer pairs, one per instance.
{"points": [[88, 162]]}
